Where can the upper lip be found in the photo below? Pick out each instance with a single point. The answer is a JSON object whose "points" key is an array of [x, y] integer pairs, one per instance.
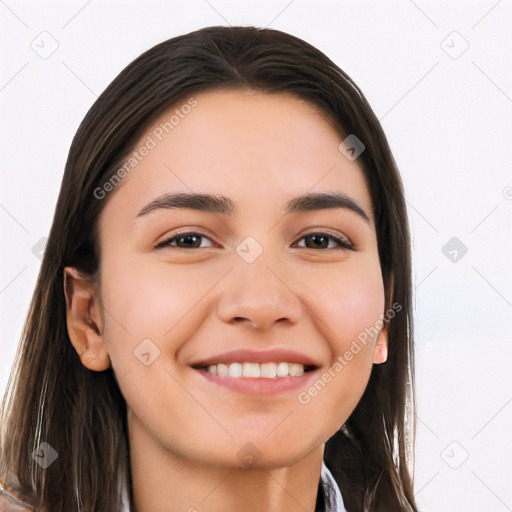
{"points": [[257, 356]]}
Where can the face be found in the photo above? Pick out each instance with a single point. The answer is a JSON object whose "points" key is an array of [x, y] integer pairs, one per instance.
{"points": [[254, 277]]}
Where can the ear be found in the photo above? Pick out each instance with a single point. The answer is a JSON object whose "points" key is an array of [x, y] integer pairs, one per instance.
{"points": [[380, 352], [84, 322]]}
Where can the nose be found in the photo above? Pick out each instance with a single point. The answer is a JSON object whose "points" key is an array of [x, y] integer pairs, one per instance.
{"points": [[259, 294]]}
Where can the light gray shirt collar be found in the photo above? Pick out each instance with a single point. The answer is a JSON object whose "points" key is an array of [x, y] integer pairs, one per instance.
{"points": [[333, 499]]}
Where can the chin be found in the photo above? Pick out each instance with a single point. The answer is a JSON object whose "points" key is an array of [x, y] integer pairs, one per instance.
{"points": [[261, 454]]}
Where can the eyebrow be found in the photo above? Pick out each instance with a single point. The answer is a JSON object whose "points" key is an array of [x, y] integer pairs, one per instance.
{"points": [[226, 206]]}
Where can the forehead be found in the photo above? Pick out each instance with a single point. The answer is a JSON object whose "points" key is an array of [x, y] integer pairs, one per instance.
{"points": [[251, 146]]}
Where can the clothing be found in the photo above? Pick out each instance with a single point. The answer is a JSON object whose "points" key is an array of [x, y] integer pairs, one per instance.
{"points": [[332, 495], [333, 499]]}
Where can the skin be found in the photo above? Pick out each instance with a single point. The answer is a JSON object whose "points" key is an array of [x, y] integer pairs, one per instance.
{"points": [[186, 434]]}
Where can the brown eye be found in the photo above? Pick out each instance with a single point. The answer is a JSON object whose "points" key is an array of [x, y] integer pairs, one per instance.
{"points": [[322, 240], [184, 241]]}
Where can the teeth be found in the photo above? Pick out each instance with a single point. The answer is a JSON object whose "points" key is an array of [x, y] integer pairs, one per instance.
{"points": [[251, 370], [265, 370], [268, 370], [222, 370], [295, 369], [282, 369], [235, 370]]}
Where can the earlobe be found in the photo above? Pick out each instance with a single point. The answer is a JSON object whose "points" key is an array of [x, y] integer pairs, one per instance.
{"points": [[84, 321], [380, 353]]}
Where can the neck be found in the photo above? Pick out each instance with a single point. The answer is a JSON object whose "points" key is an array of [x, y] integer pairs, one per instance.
{"points": [[166, 482]]}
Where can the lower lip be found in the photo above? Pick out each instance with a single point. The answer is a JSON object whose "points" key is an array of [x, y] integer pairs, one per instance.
{"points": [[260, 385]]}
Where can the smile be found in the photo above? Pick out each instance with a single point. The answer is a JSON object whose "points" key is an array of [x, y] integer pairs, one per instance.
{"points": [[263, 370]]}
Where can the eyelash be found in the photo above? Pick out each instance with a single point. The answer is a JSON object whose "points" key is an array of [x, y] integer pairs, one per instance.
{"points": [[342, 244]]}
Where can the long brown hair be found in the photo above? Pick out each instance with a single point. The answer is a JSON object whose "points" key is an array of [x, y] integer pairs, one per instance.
{"points": [[81, 414]]}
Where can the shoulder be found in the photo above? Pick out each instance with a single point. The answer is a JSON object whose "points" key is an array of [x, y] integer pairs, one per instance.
{"points": [[9, 503]]}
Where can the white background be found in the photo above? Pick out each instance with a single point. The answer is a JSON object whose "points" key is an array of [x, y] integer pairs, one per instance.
{"points": [[447, 115]]}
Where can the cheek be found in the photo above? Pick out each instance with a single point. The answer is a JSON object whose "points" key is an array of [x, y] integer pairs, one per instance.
{"points": [[151, 301], [150, 311], [359, 309], [350, 304]]}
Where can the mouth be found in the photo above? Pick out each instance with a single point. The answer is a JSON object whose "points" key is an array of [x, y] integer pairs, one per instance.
{"points": [[269, 370], [260, 373]]}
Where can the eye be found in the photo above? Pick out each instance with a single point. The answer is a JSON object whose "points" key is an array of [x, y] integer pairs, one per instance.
{"points": [[188, 240], [321, 240]]}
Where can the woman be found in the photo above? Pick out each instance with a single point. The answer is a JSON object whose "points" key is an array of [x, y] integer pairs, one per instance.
{"points": [[223, 314]]}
